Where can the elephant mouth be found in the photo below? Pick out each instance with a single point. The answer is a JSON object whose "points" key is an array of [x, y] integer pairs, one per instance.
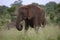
{"points": [[19, 28]]}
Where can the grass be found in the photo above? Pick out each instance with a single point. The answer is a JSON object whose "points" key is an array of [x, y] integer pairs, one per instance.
{"points": [[50, 32]]}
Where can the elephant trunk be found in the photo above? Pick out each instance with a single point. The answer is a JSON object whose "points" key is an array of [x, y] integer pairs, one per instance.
{"points": [[18, 25], [19, 28]]}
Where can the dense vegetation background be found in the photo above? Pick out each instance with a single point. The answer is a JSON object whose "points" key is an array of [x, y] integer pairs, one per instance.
{"points": [[8, 17]]}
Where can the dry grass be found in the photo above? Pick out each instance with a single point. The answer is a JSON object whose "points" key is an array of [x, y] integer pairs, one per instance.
{"points": [[50, 32]]}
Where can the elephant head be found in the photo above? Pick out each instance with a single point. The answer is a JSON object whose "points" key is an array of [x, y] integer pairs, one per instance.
{"points": [[20, 17]]}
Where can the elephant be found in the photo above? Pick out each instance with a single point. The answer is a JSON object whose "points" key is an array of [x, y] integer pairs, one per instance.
{"points": [[32, 15]]}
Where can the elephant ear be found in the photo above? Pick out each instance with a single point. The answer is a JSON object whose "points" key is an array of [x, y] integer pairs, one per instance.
{"points": [[20, 28]]}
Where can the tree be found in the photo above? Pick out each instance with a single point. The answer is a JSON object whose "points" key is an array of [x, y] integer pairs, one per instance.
{"points": [[38, 4], [14, 7], [11, 12], [58, 14], [50, 10], [17, 3], [3, 10], [4, 16]]}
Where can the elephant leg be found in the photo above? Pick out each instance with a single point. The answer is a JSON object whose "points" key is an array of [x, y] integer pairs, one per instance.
{"points": [[31, 23], [26, 26], [8, 27], [44, 23], [36, 29], [36, 25]]}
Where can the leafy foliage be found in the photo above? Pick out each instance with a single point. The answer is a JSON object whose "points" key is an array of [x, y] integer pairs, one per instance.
{"points": [[52, 10], [7, 14]]}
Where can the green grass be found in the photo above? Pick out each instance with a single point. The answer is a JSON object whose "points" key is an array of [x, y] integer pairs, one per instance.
{"points": [[50, 32]]}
